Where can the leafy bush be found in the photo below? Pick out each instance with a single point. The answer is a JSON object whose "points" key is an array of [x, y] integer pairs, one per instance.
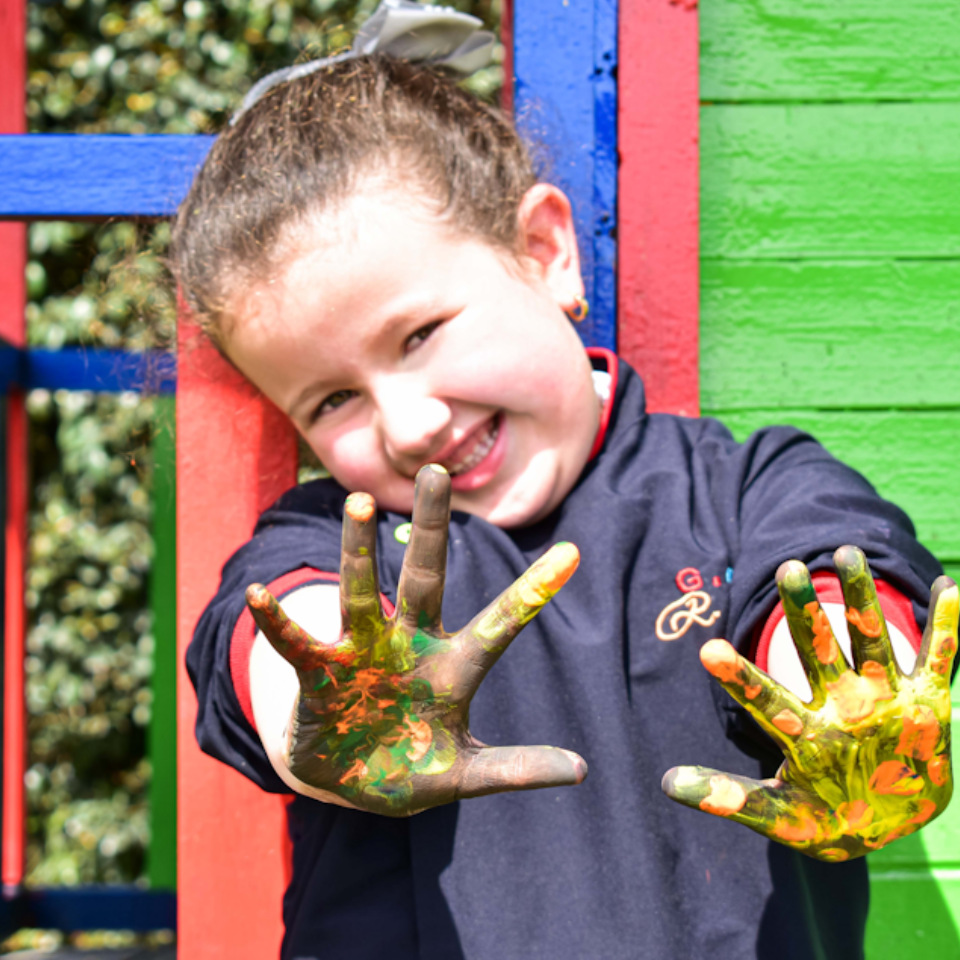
{"points": [[150, 66]]}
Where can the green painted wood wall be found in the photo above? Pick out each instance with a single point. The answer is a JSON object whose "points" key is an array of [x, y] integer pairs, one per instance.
{"points": [[830, 244]]}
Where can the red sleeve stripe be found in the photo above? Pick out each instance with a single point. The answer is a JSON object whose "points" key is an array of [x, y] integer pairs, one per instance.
{"points": [[897, 610], [245, 632], [610, 359]]}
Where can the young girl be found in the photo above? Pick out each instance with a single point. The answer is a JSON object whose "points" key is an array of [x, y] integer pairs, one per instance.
{"points": [[369, 245]]}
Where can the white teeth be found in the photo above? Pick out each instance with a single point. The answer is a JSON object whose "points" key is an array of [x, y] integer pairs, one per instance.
{"points": [[483, 447]]}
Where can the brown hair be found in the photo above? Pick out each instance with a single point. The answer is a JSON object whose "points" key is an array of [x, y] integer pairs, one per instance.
{"points": [[308, 141]]}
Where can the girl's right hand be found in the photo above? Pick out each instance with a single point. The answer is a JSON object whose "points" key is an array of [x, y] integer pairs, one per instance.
{"points": [[382, 716]]}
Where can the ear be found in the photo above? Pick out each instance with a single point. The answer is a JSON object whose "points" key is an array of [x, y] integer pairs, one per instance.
{"points": [[548, 242]]}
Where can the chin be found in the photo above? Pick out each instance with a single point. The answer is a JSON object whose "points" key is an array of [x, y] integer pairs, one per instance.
{"points": [[519, 509]]}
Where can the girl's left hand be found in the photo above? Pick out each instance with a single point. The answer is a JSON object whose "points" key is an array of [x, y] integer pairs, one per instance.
{"points": [[868, 759]]}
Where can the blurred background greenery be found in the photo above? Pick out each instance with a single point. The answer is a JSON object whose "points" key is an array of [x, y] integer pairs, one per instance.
{"points": [[152, 66]]}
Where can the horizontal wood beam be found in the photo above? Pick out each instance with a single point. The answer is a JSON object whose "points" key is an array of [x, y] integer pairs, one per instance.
{"points": [[80, 368], [73, 176]]}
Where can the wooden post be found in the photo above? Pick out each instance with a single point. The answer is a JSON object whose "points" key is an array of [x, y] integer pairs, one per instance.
{"points": [[659, 270], [13, 66], [235, 454]]}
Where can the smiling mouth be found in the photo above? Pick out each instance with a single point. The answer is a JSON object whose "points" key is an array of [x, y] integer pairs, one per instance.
{"points": [[475, 451]]}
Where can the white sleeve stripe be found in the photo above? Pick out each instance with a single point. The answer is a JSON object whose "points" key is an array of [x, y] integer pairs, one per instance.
{"points": [[783, 661]]}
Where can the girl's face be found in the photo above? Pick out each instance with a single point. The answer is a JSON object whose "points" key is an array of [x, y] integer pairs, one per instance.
{"points": [[392, 341]]}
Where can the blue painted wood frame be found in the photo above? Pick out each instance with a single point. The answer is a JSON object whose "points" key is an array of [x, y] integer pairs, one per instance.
{"points": [[565, 66], [81, 368], [73, 176]]}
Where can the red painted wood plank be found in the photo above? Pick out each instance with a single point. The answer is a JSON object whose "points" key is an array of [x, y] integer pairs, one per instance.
{"points": [[235, 454], [658, 191], [13, 65]]}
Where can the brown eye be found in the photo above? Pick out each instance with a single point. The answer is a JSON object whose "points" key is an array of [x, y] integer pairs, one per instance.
{"points": [[424, 333], [333, 402]]}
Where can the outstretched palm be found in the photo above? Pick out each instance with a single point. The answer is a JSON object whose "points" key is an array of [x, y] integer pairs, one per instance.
{"points": [[382, 718], [868, 759]]}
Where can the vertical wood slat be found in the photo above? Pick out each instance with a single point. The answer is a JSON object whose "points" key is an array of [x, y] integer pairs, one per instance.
{"points": [[565, 99], [659, 203], [161, 735], [235, 454], [13, 66]]}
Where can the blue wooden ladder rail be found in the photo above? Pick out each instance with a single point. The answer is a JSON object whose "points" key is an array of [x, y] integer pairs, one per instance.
{"points": [[565, 61]]}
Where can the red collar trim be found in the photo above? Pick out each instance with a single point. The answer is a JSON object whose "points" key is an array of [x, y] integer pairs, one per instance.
{"points": [[609, 360]]}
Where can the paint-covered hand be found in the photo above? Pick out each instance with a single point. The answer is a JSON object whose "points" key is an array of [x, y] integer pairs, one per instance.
{"points": [[868, 759], [382, 717]]}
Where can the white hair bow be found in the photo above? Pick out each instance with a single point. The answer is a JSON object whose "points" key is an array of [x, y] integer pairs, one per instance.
{"points": [[440, 36]]}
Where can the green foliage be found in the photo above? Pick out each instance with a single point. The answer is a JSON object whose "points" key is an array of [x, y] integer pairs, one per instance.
{"points": [[151, 66]]}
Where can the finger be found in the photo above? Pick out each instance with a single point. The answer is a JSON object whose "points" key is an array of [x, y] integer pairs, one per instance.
{"points": [[498, 769], [359, 585], [485, 638], [782, 714], [420, 592], [820, 654], [769, 807], [868, 629], [939, 645], [291, 641]]}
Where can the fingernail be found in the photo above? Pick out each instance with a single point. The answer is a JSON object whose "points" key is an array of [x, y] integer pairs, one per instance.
{"points": [[360, 507]]}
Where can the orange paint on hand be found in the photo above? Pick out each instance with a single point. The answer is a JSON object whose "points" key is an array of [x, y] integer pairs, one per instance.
{"points": [[360, 507], [856, 695], [866, 621], [557, 566], [545, 578], [898, 833], [357, 770], [800, 828], [921, 732], [786, 721], [726, 796], [926, 808], [824, 642], [942, 649], [893, 777], [833, 855], [856, 814], [722, 661], [938, 769], [752, 691], [421, 736]]}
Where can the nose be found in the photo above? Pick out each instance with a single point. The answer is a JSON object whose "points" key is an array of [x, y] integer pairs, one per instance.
{"points": [[412, 421]]}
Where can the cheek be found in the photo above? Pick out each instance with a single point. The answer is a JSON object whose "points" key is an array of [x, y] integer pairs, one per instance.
{"points": [[352, 456]]}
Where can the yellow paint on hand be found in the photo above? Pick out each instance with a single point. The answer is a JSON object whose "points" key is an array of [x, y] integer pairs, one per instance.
{"points": [[725, 798], [833, 855], [856, 814], [944, 643], [545, 578]]}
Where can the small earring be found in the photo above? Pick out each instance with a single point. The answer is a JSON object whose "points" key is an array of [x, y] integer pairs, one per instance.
{"points": [[578, 312]]}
